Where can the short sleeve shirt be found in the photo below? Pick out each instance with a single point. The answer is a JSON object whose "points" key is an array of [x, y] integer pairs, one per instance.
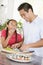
{"points": [[13, 38], [33, 32]]}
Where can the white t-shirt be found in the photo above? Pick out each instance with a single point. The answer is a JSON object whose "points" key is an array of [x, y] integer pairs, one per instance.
{"points": [[33, 32]]}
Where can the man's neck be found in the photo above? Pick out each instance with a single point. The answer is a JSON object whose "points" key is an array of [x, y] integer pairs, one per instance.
{"points": [[33, 16]]}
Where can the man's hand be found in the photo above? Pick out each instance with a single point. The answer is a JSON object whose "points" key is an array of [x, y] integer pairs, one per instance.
{"points": [[24, 47]]}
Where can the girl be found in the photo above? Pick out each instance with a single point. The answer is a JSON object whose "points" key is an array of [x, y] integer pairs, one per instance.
{"points": [[10, 37]]}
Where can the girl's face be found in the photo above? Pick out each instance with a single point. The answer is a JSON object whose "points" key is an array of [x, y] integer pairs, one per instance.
{"points": [[12, 25]]}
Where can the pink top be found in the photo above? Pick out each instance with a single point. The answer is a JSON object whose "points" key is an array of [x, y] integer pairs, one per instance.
{"points": [[12, 40]]}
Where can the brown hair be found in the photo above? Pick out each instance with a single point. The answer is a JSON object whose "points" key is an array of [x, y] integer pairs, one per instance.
{"points": [[7, 28], [26, 6]]}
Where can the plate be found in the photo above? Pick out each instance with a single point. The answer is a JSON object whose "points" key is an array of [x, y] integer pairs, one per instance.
{"points": [[11, 57], [17, 51], [9, 50]]}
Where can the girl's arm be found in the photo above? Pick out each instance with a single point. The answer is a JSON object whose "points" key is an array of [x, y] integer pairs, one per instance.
{"points": [[5, 41], [17, 45]]}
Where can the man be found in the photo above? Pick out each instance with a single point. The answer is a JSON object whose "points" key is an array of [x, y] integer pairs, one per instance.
{"points": [[33, 29]]}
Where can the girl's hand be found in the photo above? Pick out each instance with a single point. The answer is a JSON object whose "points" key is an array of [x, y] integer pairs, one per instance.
{"points": [[11, 32], [17, 45]]}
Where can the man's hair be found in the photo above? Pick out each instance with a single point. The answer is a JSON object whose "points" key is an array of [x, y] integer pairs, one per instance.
{"points": [[25, 6]]}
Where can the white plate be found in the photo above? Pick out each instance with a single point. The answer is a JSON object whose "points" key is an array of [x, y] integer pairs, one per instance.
{"points": [[18, 60], [9, 51]]}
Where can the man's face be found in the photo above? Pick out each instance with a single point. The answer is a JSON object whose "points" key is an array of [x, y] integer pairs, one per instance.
{"points": [[25, 15]]}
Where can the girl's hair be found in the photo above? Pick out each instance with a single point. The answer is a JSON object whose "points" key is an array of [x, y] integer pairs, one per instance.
{"points": [[7, 28]]}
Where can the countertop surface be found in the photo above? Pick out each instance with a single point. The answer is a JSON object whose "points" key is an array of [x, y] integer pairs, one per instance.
{"points": [[5, 61]]}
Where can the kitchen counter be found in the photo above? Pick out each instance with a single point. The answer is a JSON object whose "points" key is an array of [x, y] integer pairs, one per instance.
{"points": [[5, 61]]}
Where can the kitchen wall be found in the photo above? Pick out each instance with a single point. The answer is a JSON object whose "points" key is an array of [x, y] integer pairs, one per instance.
{"points": [[9, 10], [6, 11], [37, 6]]}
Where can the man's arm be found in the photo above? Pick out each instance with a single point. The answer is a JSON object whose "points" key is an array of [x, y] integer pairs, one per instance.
{"points": [[36, 44], [32, 45]]}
